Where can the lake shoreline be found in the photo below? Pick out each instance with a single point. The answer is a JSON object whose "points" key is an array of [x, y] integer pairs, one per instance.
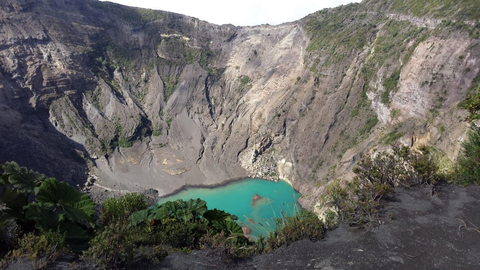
{"points": [[221, 184]]}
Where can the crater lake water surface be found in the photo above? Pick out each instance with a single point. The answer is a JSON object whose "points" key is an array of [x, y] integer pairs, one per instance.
{"points": [[277, 199]]}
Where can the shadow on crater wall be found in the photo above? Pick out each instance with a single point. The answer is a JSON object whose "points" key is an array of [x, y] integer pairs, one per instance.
{"points": [[28, 138]]}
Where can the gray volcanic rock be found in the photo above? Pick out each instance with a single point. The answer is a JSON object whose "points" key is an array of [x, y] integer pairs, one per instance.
{"points": [[141, 99]]}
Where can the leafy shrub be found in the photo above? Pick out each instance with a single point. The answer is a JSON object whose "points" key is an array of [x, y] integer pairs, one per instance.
{"points": [[228, 247], [180, 234], [369, 124], [390, 84], [392, 136], [401, 166], [119, 245], [303, 225], [221, 222], [111, 247], [183, 224], [40, 249], [191, 210], [121, 209], [469, 161], [21, 178], [472, 103], [124, 142], [425, 163], [245, 81], [358, 202]]}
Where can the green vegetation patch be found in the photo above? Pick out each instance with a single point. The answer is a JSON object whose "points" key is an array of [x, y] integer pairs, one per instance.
{"points": [[329, 29], [392, 136], [469, 161], [369, 125], [156, 132], [39, 249], [461, 10], [128, 14], [106, 56], [169, 86], [393, 42], [390, 86], [245, 81], [47, 215], [304, 225], [124, 142], [358, 202], [472, 102], [179, 51]]}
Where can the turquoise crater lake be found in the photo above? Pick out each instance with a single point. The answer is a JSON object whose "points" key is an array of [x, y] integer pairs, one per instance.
{"points": [[256, 202]]}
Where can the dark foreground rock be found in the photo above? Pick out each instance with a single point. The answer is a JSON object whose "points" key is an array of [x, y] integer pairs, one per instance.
{"points": [[419, 229]]}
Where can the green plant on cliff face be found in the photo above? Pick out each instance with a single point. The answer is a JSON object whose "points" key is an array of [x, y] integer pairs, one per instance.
{"points": [[472, 104], [119, 140], [169, 120], [369, 125], [169, 86], [179, 51], [124, 142], [205, 58], [244, 81], [329, 28], [156, 132], [390, 84], [392, 136]]}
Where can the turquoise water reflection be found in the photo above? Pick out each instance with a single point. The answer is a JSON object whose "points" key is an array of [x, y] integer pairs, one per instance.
{"points": [[277, 199]]}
